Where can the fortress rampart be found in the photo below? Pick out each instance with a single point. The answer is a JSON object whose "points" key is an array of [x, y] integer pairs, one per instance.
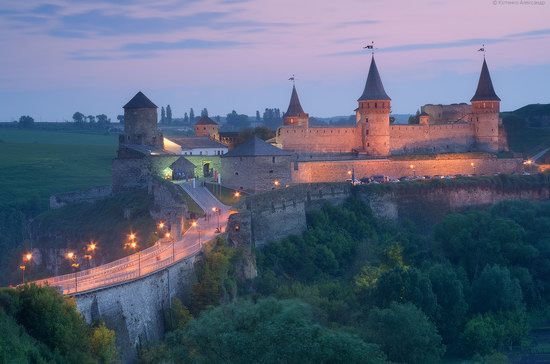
{"points": [[337, 170], [273, 215]]}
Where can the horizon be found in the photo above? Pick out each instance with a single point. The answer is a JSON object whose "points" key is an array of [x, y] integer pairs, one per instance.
{"points": [[65, 56]]}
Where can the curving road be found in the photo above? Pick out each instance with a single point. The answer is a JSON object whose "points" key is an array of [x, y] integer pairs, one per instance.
{"points": [[152, 259]]}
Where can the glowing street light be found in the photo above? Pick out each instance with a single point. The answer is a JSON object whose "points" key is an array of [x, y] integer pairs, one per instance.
{"points": [[276, 183], [473, 167], [349, 173], [27, 257], [217, 211], [413, 170], [134, 245], [23, 267], [161, 225], [132, 236], [71, 256], [195, 225], [237, 194], [91, 247]]}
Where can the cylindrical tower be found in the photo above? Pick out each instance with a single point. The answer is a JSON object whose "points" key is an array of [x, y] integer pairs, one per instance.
{"points": [[373, 116], [486, 112]]}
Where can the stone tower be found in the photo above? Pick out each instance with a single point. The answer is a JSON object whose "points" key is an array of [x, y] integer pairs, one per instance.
{"points": [[295, 115], [140, 123], [206, 127], [373, 116], [485, 112]]}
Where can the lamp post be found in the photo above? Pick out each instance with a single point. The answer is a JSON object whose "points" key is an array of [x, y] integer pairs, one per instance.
{"points": [[194, 224], [27, 258], [217, 211], [473, 167], [413, 170], [90, 249], [74, 264]]}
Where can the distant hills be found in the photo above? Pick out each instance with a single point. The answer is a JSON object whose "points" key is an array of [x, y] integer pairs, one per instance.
{"points": [[528, 128]]}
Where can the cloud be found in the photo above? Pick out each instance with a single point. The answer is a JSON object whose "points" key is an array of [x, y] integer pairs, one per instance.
{"points": [[181, 44], [46, 9]]}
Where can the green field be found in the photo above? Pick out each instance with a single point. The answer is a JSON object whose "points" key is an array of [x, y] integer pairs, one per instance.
{"points": [[36, 164]]}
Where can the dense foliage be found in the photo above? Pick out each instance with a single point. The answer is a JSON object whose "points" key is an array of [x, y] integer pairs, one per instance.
{"points": [[465, 289], [38, 325]]}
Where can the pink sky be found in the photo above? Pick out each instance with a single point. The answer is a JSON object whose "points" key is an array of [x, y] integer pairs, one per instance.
{"points": [[59, 57]]}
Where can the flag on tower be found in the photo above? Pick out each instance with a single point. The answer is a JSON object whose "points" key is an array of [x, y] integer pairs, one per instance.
{"points": [[370, 46], [482, 49]]}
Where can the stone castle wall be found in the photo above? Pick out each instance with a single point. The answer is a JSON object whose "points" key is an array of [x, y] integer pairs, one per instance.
{"points": [[334, 171], [135, 310], [255, 173], [87, 195], [136, 173], [440, 138], [447, 113], [281, 213], [338, 140]]}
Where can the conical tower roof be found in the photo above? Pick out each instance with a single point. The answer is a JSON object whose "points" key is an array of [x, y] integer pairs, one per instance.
{"points": [[485, 90], [374, 89], [140, 101], [294, 108]]}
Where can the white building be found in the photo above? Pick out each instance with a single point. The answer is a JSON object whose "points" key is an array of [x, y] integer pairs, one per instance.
{"points": [[195, 146]]}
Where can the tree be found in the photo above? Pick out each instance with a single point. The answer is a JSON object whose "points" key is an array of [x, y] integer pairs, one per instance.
{"points": [[405, 334], [162, 115], [258, 117], [449, 291], [191, 116], [269, 331], [25, 122], [411, 285], [494, 290], [103, 345], [103, 120], [79, 117], [237, 121], [204, 112], [91, 119], [185, 118], [414, 119], [120, 119], [168, 114]]}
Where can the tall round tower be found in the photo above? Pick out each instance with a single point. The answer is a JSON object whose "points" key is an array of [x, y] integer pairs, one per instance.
{"points": [[373, 115], [295, 115], [140, 123], [486, 112]]}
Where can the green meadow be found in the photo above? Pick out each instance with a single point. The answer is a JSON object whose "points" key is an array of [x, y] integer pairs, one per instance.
{"points": [[35, 164]]}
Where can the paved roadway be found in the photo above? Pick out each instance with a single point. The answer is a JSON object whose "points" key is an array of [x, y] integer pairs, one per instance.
{"points": [[152, 259]]}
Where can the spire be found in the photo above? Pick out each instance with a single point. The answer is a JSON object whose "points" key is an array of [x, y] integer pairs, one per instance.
{"points": [[485, 90], [140, 101], [374, 90], [294, 108]]}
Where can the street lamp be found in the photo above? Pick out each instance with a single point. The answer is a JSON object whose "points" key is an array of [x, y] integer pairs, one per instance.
{"points": [[412, 169], [74, 264], [237, 194], [134, 245], [194, 224], [217, 211], [27, 257], [473, 167], [276, 183]]}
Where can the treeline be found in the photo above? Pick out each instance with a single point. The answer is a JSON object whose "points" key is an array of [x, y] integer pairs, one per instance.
{"points": [[372, 291], [38, 325]]}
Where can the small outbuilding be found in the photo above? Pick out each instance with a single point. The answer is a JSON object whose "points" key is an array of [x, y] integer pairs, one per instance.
{"points": [[256, 166], [182, 169]]}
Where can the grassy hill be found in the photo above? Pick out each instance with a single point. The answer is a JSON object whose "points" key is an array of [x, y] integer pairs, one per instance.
{"points": [[528, 128], [36, 164]]}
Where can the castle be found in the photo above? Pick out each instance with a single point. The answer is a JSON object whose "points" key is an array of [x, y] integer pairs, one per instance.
{"points": [[448, 140], [441, 129]]}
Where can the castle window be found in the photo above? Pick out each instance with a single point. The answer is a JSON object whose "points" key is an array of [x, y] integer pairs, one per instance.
{"points": [[200, 152], [368, 144], [295, 166], [270, 171], [272, 159], [375, 105], [236, 173], [484, 105]]}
